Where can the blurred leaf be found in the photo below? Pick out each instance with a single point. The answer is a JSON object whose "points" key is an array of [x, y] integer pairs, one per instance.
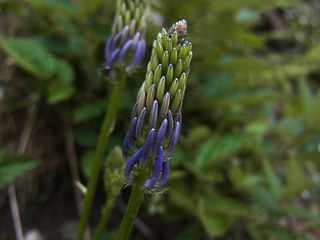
{"points": [[58, 92], [31, 56], [272, 180], [12, 165], [313, 115], [215, 148], [88, 7], [89, 110], [214, 223], [264, 197], [291, 125], [227, 206], [65, 72], [86, 137], [294, 186], [55, 5], [198, 134], [86, 162], [246, 14], [299, 212]]}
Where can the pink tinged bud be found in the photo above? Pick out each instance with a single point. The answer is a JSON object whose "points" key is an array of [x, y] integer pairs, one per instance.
{"points": [[170, 125], [140, 123], [134, 110], [153, 115]]}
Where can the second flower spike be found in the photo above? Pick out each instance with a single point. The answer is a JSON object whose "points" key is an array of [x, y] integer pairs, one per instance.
{"points": [[156, 116], [126, 46]]}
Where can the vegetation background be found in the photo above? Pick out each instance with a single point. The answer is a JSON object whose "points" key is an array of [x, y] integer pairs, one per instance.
{"points": [[247, 162]]}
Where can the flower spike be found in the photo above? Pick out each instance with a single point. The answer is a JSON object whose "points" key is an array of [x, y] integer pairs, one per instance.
{"points": [[156, 116]]}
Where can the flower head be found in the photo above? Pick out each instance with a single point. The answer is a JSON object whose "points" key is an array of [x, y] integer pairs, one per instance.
{"points": [[156, 116], [126, 45]]}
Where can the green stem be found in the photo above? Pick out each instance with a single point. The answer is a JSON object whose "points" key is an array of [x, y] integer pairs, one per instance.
{"points": [[105, 217], [135, 201], [105, 131]]}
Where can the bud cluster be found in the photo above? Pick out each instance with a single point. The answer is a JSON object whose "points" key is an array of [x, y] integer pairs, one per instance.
{"points": [[156, 116], [127, 45]]}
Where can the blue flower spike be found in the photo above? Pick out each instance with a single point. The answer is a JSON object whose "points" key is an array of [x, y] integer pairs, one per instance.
{"points": [[156, 116]]}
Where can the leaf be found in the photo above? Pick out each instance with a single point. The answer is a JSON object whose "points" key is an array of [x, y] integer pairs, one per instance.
{"points": [[246, 14], [58, 92], [272, 180], [64, 72], [89, 111], [294, 184], [216, 148], [13, 165], [31, 56], [299, 212], [88, 7], [86, 137], [264, 197], [227, 206], [214, 223], [55, 5]]}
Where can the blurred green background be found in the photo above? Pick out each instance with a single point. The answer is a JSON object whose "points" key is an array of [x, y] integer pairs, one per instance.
{"points": [[247, 162]]}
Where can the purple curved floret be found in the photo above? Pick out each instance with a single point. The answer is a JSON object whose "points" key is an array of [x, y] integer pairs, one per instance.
{"points": [[140, 122], [107, 48], [113, 57], [164, 175], [170, 125], [138, 55], [147, 146], [125, 146], [126, 47], [134, 110], [156, 171], [153, 115], [160, 136], [173, 140], [132, 131], [132, 161]]}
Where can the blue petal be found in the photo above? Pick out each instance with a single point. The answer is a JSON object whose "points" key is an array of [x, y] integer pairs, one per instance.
{"points": [[160, 136], [132, 161], [165, 174], [153, 115], [113, 57], [132, 131], [174, 140], [125, 49], [156, 171], [147, 147], [170, 125], [125, 146], [140, 122]]}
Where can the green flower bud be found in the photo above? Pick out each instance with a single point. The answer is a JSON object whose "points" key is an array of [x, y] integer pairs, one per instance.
{"points": [[175, 102], [174, 87], [160, 88], [157, 74], [150, 96]]}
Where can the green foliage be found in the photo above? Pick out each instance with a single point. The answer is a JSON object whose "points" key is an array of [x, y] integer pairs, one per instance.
{"points": [[13, 165], [247, 162]]}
